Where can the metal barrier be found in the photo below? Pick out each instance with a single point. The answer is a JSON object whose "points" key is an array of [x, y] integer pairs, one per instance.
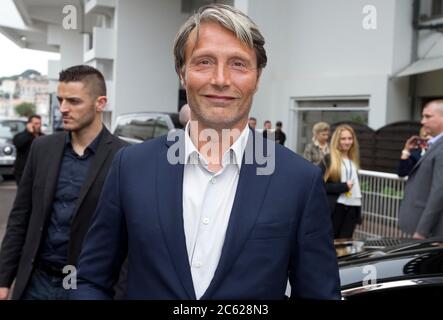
{"points": [[381, 196]]}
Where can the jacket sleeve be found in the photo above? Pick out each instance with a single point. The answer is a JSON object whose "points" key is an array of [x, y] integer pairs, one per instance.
{"points": [[314, 269], [105, 245], [307, 153], [433, 211], [335, 188], [23, 140], [17, 227], [405, 165]]}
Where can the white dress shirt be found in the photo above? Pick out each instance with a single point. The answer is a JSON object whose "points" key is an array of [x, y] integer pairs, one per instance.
{"points": [[349, 171], [207, 202]]}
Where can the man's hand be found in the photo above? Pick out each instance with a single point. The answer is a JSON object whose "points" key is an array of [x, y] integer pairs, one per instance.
{"points": [[418, 236], [4, 293], [30, 127]]}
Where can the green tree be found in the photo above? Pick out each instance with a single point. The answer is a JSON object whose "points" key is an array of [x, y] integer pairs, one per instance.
{"points": [[25, 109]]}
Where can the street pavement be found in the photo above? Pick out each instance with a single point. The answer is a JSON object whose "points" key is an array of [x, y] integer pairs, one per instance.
{"points": [[7, 195]]}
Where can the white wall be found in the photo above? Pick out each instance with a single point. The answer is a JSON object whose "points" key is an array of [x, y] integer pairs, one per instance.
{"points": [[71, 48], [319, 48], [144, 75], [398, 102]]}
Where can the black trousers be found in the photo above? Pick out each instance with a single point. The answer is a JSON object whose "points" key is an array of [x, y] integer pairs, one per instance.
{"points": [[344, 220]]}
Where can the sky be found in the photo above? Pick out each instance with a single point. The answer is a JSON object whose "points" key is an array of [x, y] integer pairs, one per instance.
{"points": [[13, 59]]}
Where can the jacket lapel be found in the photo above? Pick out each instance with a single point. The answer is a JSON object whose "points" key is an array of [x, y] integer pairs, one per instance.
{"points": [[53, 165], [250, 194], [97, 163], [170, 207]]}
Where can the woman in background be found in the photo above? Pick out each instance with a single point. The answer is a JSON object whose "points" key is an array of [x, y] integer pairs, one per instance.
{"points": [[318, 148], [340, 173]]}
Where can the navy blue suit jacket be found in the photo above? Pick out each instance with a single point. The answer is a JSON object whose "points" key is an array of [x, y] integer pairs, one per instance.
{"points": [[279, 228]]}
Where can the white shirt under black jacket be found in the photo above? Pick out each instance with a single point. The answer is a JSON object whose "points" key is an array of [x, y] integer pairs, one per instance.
{"points": [[349, 171], [207, 202]]}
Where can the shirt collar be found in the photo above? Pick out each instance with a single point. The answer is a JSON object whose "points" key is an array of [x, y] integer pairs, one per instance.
{"points": [[92, 146], [234, 153], [434, 139]]}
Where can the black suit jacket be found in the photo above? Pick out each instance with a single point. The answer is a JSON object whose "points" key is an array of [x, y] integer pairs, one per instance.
{"points": [[32, 207], [22, 142]]}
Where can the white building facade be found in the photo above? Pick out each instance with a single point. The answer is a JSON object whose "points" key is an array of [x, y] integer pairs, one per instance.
{"points": [[327, 60]]}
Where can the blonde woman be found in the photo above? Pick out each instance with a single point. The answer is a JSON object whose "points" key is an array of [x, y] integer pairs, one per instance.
{"points": [[318, 148], [340, 170]]}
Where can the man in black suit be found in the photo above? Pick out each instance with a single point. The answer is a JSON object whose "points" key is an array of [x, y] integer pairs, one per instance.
{"points": [[57, 196], [22, 142]]}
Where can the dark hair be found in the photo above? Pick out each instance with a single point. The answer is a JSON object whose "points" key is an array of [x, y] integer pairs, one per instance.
{"points": [[252, 118], [36, 116], [267, 121], [279, 124], [88, 75]]}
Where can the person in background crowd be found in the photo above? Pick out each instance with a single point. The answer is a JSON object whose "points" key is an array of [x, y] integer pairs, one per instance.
{"points": [[340, 170], [252, 123], [267, 126], [415, 147], [280, 136], [421, 210], [22, 142], [316, 150]]}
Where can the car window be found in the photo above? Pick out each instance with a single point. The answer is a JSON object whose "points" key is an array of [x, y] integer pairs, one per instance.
{"points": [[5, 132], [161, 127], [9, 128], [140, 128]]}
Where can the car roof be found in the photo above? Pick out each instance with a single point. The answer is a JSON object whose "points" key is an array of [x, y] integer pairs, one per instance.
{"points": [[173, 115]]}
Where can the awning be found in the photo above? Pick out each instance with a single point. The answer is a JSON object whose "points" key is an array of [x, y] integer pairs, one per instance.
{"points": [[422, 66]]}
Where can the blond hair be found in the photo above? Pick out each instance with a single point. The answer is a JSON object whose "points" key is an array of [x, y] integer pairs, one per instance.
{"points": [[333, 172], [320, 127]]}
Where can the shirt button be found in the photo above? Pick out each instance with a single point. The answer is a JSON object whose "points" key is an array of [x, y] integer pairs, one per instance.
{"points": [[198, 264], [213, 180], [205, 220]]}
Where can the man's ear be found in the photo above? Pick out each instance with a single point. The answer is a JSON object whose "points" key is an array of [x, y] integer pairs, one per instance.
{"points": [[182, 77], [258, 79], [100, 103]]}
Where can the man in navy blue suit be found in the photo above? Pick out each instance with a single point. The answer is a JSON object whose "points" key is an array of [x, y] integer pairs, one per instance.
{"points": [[214, 211]]}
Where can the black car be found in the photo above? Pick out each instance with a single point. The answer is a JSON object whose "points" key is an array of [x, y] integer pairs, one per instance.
{"points": [[391, 268], [142, 126]]}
